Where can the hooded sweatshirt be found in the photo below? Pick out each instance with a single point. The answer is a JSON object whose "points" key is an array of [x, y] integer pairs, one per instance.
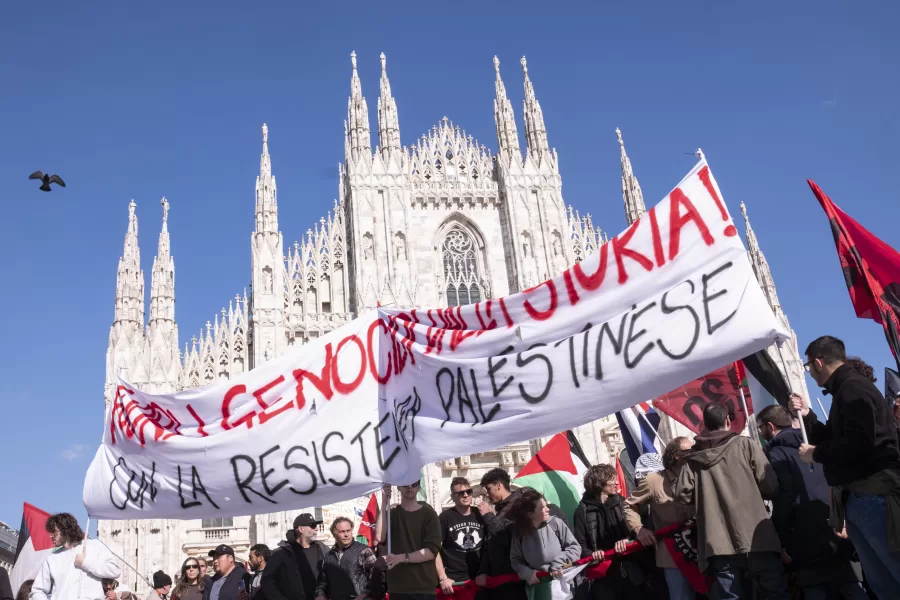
{"points": [[547, 548], [60, 579], [726, 478]]}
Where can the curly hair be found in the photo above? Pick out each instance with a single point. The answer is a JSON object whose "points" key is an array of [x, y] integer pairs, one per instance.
{"points": [[67, 526], [597, 477], [522, 507], [673, 452], [862, 367], [338, 521]]}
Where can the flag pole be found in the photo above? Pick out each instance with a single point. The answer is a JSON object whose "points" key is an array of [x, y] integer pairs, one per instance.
{"points": [[747, 417], [791, 387], [387, 520], [647, 421], [824, 413]]}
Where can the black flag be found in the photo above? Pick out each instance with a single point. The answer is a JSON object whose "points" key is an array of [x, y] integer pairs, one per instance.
{"points": [[766, 372], [891, 384]]}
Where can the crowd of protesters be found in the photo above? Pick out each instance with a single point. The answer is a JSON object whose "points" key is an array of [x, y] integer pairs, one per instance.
{"points": [[775, 518]]}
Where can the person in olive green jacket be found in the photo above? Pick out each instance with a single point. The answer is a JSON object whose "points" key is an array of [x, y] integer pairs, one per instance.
{"points": [[726, 478]]}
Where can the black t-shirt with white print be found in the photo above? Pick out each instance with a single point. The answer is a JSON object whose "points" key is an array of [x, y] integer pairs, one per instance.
{"points": [[463, 536]]}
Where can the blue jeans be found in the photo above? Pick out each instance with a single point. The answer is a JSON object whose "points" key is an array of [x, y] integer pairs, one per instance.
{"points": [[867, 528], [679, 587], [763, 568], [847, 591]]}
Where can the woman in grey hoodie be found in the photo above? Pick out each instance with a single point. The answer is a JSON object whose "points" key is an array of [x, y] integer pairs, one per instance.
{"points": [[540, 542]]}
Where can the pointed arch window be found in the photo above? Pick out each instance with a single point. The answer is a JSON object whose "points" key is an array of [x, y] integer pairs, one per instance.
{"points": [[461, 268]]}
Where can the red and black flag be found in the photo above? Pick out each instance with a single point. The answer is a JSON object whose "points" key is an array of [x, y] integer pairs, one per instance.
{"points": [[871, 270]]}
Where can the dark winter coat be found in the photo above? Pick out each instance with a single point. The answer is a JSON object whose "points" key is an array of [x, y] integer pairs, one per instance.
{"points": [[496, 548], [800, 510], [6, 592], [860, 437], [599, 525], [281, 578], [347, 574], [230, 588]]}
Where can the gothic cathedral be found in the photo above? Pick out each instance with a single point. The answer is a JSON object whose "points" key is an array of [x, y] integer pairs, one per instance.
{"points": [[444, 221]]}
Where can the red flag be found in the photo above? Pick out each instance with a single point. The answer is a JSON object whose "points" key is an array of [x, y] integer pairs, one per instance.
{"points": [[871, 270], [34, 545], [723, 386], [367, 522], [620, 477], [682, 549]]}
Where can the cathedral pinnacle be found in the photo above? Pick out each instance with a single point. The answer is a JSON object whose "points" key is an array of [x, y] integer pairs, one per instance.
{"points": [[165, 205], [162, 278], [266, 190], [631, 189], [507, 134], [358, 139], [388, 119], [761, 266], [535, 131], [130, 278]]}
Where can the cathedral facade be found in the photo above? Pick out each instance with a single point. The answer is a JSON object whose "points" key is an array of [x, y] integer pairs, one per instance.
{"points": [[443, 221]]}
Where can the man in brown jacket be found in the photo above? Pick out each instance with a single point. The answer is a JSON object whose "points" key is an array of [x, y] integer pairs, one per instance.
{"points": [[726, 478]]}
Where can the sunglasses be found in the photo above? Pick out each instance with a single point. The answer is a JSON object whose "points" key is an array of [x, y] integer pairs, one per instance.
{"points": [[192, 567], [412, 485], [467, 492]]}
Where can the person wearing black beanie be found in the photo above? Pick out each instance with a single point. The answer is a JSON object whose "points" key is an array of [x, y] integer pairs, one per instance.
{"points": [[162, 583]]}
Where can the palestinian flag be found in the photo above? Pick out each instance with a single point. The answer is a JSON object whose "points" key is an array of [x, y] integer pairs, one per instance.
{"points": [[366, 532], [34, 546], [562, 588], [558, 473], [422, 496]]}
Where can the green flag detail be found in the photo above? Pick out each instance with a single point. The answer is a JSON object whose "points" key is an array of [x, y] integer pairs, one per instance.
{"points": [[556, 473]]}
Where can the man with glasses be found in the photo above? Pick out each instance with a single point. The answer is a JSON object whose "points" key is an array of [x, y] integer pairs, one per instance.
{"points": [[858, 450], [415, 541], [462, 530]]}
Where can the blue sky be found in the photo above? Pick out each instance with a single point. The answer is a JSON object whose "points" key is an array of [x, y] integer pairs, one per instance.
{"points": [[128, 101]]}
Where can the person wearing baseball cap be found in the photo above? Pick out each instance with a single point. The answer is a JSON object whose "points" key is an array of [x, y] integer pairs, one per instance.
{"points": [[293, 569], [226, 583]]}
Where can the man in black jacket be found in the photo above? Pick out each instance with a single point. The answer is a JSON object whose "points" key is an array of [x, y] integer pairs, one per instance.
{"points": [[820, 559], [226, 583], [292, 570], [349, 570], [859, 449]]}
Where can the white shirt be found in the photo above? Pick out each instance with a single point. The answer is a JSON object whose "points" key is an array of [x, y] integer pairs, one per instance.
{"points": [[59, 579]]}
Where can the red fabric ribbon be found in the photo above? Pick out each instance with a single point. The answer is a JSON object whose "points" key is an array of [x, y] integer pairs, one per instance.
{"points": [[465, 590]]}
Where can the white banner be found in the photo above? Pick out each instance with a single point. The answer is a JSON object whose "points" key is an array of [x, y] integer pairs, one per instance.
{"points": [[671, 298]]}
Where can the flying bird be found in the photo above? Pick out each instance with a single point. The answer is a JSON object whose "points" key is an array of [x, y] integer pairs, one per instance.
{"points": [[46, 180]]}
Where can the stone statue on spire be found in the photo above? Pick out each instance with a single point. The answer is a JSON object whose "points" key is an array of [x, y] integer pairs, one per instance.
{"points": [[165, 206]]}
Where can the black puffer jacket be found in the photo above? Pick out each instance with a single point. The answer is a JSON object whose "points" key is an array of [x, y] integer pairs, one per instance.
{"points": [[349, 573], [860, 437], [801, 510], [598, 526]]}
